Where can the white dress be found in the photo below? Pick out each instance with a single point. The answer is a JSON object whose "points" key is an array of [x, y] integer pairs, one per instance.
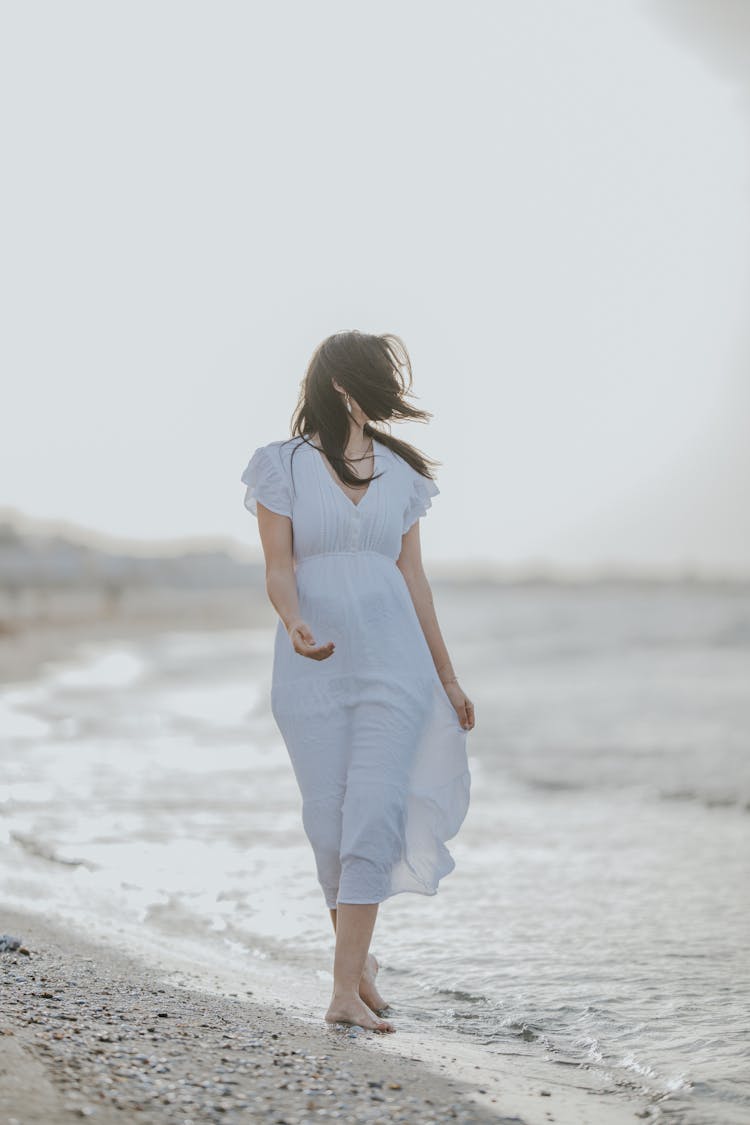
{"points": [[376, 745]]}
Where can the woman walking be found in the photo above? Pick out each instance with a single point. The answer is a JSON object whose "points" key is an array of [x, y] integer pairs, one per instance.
{"points": [[363, 690]]}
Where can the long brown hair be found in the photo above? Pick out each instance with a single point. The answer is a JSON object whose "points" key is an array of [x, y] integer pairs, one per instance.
{"points": [[376, 372]]}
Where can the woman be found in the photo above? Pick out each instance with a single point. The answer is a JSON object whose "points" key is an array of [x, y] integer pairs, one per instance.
{"points": [[363, 689]]}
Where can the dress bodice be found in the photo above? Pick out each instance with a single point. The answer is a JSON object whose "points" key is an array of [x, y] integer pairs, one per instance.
{"points": [[290, 477]]}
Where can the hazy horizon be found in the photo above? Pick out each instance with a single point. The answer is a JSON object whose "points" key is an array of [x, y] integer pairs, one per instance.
{"points": [[35, 532]]}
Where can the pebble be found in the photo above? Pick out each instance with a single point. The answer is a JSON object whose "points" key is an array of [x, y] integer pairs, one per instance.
{"points": [[201, 1058]]}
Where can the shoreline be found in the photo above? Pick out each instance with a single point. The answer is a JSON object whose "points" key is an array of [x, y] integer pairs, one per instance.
{"points": [[27, 645], [48, 1065], [88, 1029]]}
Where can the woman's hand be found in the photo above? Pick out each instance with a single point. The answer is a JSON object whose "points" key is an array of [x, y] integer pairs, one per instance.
{"points": [[463, 705], [303, 642]]}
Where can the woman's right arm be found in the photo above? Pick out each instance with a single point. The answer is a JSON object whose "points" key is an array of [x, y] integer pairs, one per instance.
{"points": [[281, 582]]}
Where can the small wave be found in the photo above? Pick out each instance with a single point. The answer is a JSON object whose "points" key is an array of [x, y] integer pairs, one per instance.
{"points": [[39, 850], [523, 1031], [459, 994], [517, 1029], [554, 784], [708, 800]]}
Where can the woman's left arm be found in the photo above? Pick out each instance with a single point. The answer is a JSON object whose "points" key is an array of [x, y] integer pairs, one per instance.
{"points": [[410, 564]]}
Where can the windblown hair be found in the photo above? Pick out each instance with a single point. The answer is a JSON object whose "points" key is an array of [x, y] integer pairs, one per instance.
{"points": [[376, 372]]}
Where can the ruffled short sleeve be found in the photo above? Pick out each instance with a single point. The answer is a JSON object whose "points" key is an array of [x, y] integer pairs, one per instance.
{"points": [[266, 482], [420, 498]]}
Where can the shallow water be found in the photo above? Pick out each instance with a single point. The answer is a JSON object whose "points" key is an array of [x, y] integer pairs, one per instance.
{"points": [[598, 912]]}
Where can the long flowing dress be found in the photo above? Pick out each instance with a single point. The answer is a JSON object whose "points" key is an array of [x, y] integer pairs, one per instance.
{"points": [[376, 745]]}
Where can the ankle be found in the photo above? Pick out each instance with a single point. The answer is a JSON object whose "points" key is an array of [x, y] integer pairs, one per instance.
{"points": [[343, 993]]}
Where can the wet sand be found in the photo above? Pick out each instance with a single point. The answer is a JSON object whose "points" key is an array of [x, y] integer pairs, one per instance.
{"points": [[87, 1031]]}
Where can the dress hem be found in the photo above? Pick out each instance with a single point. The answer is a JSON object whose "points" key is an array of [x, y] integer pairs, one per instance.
{"points": [[392, 894]]}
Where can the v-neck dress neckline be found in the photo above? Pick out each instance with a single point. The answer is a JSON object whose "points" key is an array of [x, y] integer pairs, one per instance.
{"points": [[326, 471]]}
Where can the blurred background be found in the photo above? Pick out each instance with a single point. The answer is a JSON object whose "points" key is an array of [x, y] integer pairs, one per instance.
{"points": [[549, 203]]}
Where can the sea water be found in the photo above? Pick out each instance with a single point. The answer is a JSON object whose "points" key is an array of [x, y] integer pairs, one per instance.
{"points": [[598, 913]]}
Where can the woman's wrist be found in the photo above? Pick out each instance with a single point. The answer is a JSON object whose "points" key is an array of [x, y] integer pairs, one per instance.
{"points": [[446, 673]]}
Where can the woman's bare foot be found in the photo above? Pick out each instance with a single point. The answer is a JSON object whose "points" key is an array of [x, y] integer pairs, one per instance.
{"points": [[353, 1010], [367, 987]]}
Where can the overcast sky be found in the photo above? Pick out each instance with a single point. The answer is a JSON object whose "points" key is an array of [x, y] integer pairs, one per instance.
{"points": [[547, 201]]}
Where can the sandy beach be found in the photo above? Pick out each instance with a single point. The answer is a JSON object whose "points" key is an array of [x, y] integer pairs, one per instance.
{"points": [[88, 1031]]}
